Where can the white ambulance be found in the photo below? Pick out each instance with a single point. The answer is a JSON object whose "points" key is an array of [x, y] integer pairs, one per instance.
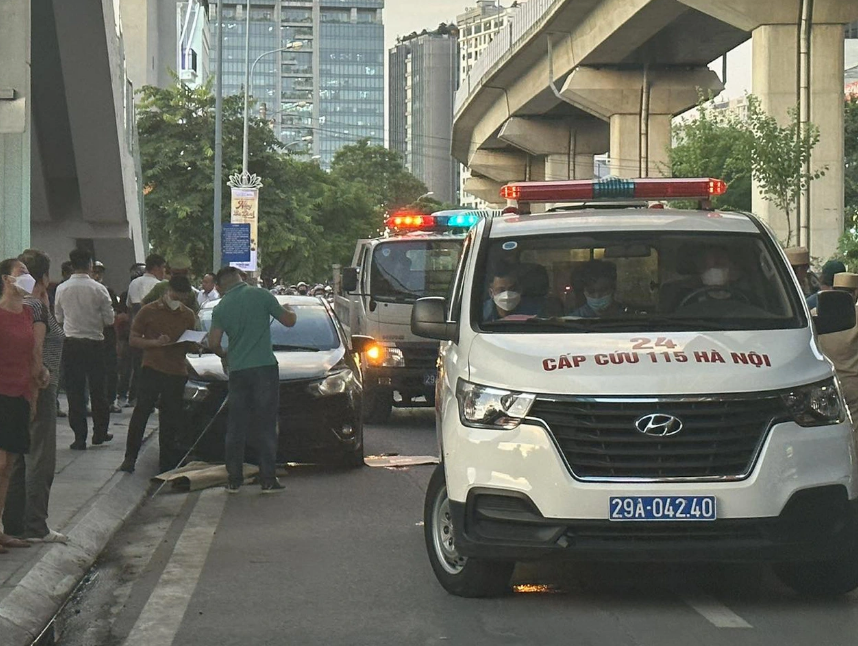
{"points": [[625, 381]]}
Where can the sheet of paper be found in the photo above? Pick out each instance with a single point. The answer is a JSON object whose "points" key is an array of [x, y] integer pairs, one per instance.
{"points": [[193, 336]]}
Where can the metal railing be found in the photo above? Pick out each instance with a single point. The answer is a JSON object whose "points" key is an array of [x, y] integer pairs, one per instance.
{"points": [[527, 19]]}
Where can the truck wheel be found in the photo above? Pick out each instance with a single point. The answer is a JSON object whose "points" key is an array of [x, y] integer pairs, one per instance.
{"points": [[825, 579], [377, 405], [459, 575]]}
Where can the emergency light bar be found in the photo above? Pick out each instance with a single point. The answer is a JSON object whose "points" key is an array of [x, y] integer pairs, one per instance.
{"points": [[455, 219], [613, 188]]}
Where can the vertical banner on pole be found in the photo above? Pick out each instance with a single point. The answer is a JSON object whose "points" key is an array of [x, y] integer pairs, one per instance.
{"points": [[245, 210]]}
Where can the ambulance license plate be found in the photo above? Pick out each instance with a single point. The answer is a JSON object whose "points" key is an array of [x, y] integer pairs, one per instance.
{"points": [[667, 508]]}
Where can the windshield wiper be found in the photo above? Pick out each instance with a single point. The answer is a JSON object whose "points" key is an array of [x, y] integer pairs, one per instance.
{"points": [[294, 348]]}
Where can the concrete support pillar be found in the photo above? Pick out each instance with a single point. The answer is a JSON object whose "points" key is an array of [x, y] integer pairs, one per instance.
{"points": [[15, 128], [500, 166], [484, 189], [775, 82], [617, 97], [562, 166]]}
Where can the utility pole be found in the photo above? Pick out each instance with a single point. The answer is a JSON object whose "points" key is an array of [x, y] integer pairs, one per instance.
{"points": [[245, 153], [218, 161]]}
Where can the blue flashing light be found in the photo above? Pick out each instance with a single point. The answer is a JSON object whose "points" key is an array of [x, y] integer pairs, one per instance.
{"points": [[464, 220]]}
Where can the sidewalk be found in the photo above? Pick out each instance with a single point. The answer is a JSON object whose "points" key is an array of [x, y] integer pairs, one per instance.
{"points": [[89, 501]]}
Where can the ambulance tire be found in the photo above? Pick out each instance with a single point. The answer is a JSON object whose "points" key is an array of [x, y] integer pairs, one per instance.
{"points": [[826, 579], [377, 406], [460, 576]]}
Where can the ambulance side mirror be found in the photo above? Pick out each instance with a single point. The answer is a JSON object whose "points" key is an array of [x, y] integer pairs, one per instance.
{"points": [[835, 312], [429, 319], [350, 280]]}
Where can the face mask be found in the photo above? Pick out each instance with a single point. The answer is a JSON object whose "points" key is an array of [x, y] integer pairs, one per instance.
{"points": [[715, 277], [173, 305], [600, 304], [507, 300], [26, 282]]}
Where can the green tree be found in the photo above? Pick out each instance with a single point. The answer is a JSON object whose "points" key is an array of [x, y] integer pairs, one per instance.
{"points": [[778, 158], [176, 127], [851, 149], [381, 173], [716, 143]]}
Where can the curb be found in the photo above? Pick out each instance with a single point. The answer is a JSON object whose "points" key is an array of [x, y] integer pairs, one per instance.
{"points": [[29, 608]]}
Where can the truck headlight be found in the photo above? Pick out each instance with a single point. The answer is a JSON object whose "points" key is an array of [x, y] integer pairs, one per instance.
{"points": [[334, 384], [817, 404], [385, 356], [488, 407]]}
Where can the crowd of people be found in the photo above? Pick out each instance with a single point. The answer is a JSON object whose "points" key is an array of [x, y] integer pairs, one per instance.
{"points": [[109, 352]]}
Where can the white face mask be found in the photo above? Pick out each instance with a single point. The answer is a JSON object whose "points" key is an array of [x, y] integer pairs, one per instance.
{"points": [[715, 277], [26, 282], [507, 300], [173, 305]]}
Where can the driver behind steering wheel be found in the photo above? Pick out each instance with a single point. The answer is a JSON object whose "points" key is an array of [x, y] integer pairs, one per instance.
{"points": [[718, 275]]}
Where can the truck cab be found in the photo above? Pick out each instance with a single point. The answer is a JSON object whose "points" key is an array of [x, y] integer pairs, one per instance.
{"points": [[417, 257]]}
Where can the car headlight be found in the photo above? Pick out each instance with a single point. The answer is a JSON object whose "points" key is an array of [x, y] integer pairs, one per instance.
{"points": [[385, 356], [488, 407], [817, 404], [195, 391], [334, 384]]}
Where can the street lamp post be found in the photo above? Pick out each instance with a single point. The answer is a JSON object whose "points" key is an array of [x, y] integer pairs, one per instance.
{"points": [[218, 162], [248, 79]]}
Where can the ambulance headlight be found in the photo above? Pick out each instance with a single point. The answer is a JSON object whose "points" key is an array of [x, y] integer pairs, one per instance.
{"points": [[818, 404], [488, 407]]}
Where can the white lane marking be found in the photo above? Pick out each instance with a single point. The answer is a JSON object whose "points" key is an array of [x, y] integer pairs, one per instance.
{"points": [[163, 613], [715, 612]]}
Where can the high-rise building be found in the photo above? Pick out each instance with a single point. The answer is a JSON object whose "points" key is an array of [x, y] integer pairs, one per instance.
{"points": [[192, 54], [477, 27], [320, 73], [423, 79]]}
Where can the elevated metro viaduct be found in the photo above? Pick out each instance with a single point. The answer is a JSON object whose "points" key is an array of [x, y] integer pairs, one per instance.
{"points": [[574, 78], [68, 175]]}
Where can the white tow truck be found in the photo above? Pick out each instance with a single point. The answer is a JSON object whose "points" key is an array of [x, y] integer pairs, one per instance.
{"points": [[417, 257]]}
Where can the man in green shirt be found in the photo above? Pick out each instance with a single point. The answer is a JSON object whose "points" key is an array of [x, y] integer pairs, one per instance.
{"points": [[244, 314]]}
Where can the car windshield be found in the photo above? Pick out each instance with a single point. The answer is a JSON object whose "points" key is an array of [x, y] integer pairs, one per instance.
{"points": [[313, 331], [405, 271], [634, 282]]}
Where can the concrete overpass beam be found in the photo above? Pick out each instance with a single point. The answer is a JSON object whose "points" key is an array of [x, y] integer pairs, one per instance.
{"points": [[485, 189], [500, 166], [617, 96], [15, 129]]}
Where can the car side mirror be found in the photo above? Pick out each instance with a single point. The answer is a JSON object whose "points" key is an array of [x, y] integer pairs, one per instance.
{"points": [[350, 280], [429, 319], [835, 312], [361, 343]]}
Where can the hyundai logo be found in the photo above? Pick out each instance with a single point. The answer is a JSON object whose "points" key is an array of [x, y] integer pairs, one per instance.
{"points": [[659, 425]]}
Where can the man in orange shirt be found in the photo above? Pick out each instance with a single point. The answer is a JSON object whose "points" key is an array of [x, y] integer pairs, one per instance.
{"points": [[155, 330]]}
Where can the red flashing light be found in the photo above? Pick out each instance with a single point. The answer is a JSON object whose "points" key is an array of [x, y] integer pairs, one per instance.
{"points": [[614, 188], [410, 221]]}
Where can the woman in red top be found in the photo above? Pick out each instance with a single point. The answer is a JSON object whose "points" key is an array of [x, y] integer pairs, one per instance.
{"points": [[18, 373]]}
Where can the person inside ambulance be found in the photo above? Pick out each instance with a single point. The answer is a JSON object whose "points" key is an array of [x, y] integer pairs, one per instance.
{"points": [[842, 348], [505, 297], [600, 287], [720, 280]]}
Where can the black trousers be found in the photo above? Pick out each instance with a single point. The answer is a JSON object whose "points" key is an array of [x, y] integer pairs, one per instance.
{"points": [[153, 387], [83, 361]]}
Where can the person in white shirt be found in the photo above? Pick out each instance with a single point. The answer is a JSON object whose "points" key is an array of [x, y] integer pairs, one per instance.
{"points": [[156, 269], [83, 307], [208, 291]]}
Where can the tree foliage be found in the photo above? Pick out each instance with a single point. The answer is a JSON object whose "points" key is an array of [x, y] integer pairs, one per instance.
{"points": [[715, 144], [308, 219], [851, 150]]}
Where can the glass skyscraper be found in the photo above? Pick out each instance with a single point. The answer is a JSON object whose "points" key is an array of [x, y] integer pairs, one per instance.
{"points": [[323, 85]]}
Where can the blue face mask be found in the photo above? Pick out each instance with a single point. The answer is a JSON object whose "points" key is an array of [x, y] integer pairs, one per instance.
{"points": [[600, 304]]}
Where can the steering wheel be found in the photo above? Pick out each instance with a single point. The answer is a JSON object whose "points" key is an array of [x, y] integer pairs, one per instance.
{"points": [[734, 294]]}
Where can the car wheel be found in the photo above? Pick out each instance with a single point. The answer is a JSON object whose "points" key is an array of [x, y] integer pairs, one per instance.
{"points": [[821, 579], [377, 406], [459, 575]]}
